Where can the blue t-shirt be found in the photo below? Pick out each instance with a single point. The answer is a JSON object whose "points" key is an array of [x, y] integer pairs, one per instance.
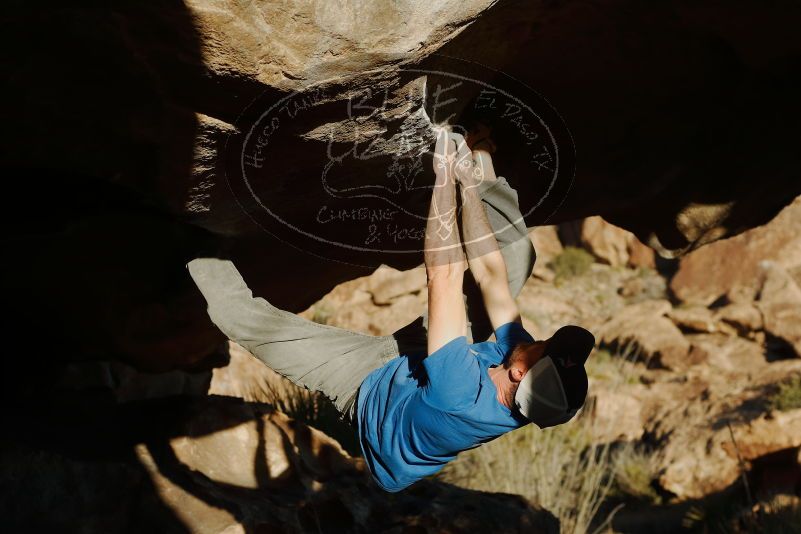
{"points": [[416, 413]]}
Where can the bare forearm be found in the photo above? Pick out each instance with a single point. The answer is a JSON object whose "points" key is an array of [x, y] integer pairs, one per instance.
{"points": [[483, 255], [443, 248], [443, 253]]}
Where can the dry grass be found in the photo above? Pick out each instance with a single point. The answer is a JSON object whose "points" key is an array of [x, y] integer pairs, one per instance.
{"points": [[559, 468], [316, 410], [635, 470], [781, 514], [617, 369]]}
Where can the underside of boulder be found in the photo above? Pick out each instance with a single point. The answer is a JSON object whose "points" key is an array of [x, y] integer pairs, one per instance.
{"points": [[290, 134]]}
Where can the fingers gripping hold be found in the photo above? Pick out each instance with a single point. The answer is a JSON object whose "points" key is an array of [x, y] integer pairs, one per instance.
{"points": [[468, 174]]}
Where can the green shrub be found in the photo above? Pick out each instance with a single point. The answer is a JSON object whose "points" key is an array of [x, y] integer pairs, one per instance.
{"points": [[571, 262], [322, 313], [788, 396]]}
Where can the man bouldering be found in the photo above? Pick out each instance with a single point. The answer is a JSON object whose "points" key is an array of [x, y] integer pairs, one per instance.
{"points": [[422, 395]]}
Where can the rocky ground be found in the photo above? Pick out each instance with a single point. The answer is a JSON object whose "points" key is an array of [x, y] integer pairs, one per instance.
{"points": [[695, 367], [709, 345]]}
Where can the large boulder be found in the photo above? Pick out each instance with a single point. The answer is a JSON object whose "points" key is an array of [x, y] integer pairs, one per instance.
{"points": [[745, 318], [387, 284], [378, 304], [731, 267], [695, 319], [725, 354], [126, 127], [215, 465], [643, 328], [716, 421], [547, 245], [613, 245], [112, 449], [780, 304]]}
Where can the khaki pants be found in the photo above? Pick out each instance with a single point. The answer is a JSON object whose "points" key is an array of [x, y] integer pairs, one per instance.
{"points": [[333, 360]]}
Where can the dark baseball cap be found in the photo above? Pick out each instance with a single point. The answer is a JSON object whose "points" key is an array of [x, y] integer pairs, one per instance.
{"points": [[555, 387]]}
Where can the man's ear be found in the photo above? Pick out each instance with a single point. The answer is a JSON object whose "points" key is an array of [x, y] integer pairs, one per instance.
{"points": [[516, 373]]}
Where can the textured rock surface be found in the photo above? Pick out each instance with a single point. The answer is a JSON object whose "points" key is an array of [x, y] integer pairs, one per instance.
{"points": [[617, 415], [744, 317], [731, 267], [645, 328], [700, 456], [547, 246], [780, 304], [378, 304], [614, 245], [605, 241], [211, 464], [387, 284], [118, 120], [696, 318]]}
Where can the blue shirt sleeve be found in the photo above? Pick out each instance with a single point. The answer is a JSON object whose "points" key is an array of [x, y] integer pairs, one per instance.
{"points": [[453, 375]]}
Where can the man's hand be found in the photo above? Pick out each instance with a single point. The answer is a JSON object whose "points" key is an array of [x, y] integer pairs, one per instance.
{"points": [[479, 138], [467, 173]]}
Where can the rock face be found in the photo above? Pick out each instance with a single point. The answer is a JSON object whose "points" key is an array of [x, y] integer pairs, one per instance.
{"points": [[387, 284], [126, 126], [644, 328], [780, 304], [178, 452], [546, 242], [128, 140], [614, 245], [700, 455], [709, 274], [762, 291], [745, 318], [696, 318], [378, 304]]}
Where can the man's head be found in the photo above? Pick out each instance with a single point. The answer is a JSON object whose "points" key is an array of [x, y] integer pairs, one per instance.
{"points": [[549, 383]]}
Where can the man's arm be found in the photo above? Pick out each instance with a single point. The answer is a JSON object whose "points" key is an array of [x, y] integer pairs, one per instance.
{"points": [[484, 257], [444, 257]]}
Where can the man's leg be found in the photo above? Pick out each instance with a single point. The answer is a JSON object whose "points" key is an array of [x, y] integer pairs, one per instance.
{"points": [[321, 358]]}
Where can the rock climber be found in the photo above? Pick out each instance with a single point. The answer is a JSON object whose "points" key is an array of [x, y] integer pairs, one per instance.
{"points": [[420, 396]]}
